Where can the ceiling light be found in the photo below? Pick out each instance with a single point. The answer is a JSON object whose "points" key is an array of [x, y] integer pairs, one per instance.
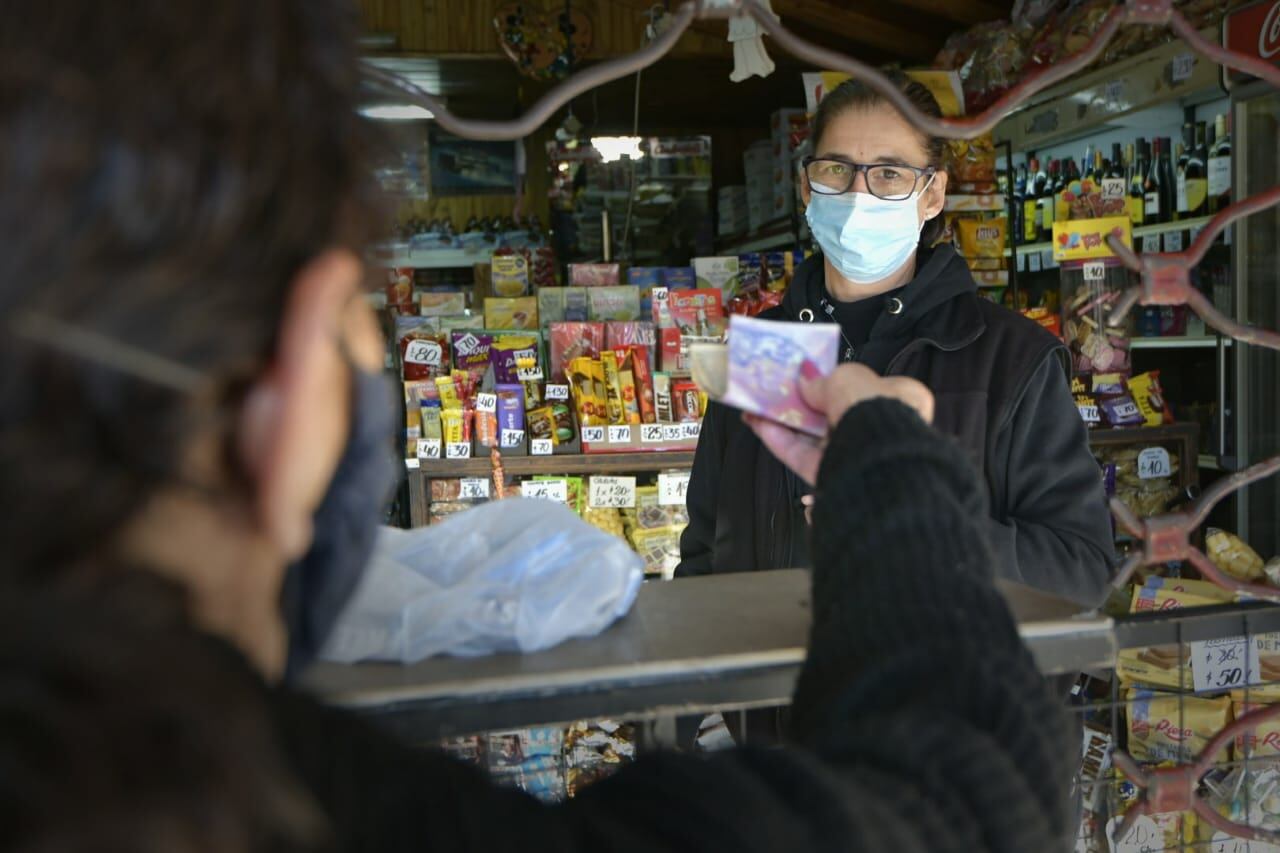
{"points": [[612, 148], [396, 112]]}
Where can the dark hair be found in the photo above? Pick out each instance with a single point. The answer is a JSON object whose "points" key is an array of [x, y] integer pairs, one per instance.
{"points": [[168, 166], [121, 728], [854, 94]]}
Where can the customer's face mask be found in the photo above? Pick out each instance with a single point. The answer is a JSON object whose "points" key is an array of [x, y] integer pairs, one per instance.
{"points": [[867, 239], [317, 587]]}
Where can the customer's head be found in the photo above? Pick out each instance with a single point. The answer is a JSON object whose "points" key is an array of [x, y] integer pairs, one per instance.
{"points": [[184, 197], [855, 123], [123, 729]]}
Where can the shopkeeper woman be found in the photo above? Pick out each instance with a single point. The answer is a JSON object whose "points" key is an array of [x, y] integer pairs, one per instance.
{"points": [[874, 190]]}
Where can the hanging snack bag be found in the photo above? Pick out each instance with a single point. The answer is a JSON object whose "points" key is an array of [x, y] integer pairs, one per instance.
{"points": [[424, 353], [574, 340]]}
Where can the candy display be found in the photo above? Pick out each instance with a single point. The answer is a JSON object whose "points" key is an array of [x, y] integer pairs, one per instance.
{"points": [[593, 275], [511, 313]]}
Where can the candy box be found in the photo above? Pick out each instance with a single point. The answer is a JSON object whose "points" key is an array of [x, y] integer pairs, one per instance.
{"points": [[719, 274], [509, 273], [697, 313], [765, 359], [614, 303], [443, 304], [515, 313], [645, 276], [593, 275], [562, 305], [679, 278]]}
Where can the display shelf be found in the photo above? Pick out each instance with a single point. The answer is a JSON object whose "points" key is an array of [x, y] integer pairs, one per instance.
{"points": [[960, 202], [404, 256], [780, 238], [1178, 342], [582, 463], [1185, 436], [1140, 231]]}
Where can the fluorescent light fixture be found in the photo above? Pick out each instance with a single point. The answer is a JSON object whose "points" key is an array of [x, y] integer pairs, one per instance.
{"points": [[396, 112], [612, 148]]}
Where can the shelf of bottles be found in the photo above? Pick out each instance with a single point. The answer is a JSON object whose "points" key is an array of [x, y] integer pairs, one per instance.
{"points": [[1162, 188]]}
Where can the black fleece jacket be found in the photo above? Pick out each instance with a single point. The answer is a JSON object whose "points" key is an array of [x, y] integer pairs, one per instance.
{"points": [[920, 720], [1002, 393]]}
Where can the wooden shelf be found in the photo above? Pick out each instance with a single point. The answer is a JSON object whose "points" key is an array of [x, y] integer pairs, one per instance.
{"points": [[576, 463], [1138, 435]]}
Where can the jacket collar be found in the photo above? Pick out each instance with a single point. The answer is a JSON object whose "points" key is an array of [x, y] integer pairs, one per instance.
{"points": [[940, 305]]}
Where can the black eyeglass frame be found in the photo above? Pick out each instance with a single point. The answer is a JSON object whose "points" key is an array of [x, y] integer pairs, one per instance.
{"points": [[856, 168]]}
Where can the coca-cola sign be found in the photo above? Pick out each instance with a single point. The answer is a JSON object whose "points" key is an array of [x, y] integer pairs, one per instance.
{"points": [[1253, 31]]}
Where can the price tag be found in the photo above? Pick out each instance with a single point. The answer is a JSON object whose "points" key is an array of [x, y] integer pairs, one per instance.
{"points": [[473, 489], [691, 430], [617, 492], [529, 374], [551, 490], [620, 434], [1034, 260], [1127, 409], [487, 403], [592, 434], [412, 464], [557, 392], [1046, 260], [1153, 462], [1113, 188], [650, 433], [428, 448], [1022, 261], [457, 450], [1113, 92], [671, 432], [1144, 835], [1089, 414], [672, 488], [540, 447], [1095, 271], [1173, 241], [423, 352], [511, 438], [1222, 664], [1182, 66]]}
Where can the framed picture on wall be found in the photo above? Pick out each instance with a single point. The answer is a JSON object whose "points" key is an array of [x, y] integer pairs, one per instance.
{"points": [[470, 167]]}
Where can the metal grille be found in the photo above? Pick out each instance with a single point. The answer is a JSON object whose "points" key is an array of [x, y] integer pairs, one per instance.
{"points": [[1188, 785]]}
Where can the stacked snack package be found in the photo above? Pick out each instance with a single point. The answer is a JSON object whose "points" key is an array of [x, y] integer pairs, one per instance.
{"points": [[424, 352], [596, 750], [1143, 477], [453, 495], [684, 317], [569, 341], [1096, 346], [654, 531], [532, 759]]}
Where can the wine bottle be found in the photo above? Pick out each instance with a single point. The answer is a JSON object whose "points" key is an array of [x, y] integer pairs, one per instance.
{"points": [[1168, 181], [1133, 179], [1046, 202], [1180, 170], [1220, 165], [1153, 192], [1069, 185], [1196, 175], [1019, 196], [1030, 204], [1113, 183]]}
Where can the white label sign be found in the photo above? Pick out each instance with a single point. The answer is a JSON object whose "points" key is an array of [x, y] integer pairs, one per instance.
{"points": [[1034, 262], [412, 464], [487, 403], [650, 433], [1154, 462], [1113, 188], [672, 488], [1126, 410], [457, 450], [691, 430], [1222, 664], [511, 438], [592, 434], [620, 434], [540, 447], [423, 352], [557, 392], [473, 489], [1182, 66], [1173, 241], [1095, 271], [428, 448], [1144, 836], [551, 490], [1089, 413], [671, 432], [529, 374], [617, 492]]}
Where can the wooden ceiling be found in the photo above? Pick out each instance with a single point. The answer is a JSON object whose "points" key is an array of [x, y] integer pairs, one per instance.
{"points": [[451, 47]]}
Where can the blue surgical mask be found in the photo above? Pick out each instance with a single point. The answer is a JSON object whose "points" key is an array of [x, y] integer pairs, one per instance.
{"points": [[866, 238], [317, 587]]}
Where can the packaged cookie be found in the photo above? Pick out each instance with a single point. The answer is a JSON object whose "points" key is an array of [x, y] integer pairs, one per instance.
{"points": [[513, 313], [1174, 727]]}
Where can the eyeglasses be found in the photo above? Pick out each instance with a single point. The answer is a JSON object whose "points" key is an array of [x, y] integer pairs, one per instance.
{"points": [[886, 181]]}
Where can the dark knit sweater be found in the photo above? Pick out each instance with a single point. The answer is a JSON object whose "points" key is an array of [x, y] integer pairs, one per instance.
{"points": [[920, 721]]}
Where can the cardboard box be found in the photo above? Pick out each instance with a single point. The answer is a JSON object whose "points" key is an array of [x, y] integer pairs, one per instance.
{"points": [[511, 313], [718, 273], [1086, 239]]}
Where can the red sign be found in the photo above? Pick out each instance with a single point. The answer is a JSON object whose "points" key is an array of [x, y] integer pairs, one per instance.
{"points": [[1254, 31]]}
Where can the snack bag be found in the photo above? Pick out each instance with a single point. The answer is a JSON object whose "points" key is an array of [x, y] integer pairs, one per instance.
{"points": [[982, 238], [1232, 555], [1174, 728], [686, 402], [765, 359], [399, 289], [518, 313], [1156, 666], [471, 353], [542, 424], [424, 353], [442, 304], [505, 355], [569, 341], [1150, 399], [509, 272], [1262, 741]]}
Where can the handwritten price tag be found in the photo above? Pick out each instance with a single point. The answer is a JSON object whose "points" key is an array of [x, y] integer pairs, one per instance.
{"points": [[672, 488], [593, 434], [551, 490], [611, 492], [487, 403], [511, 438], [1153, 463], [691, 430], [529, 374], [428, 448], [540, 447], [1182, 66], [457, 450], [650, 433], [557, 392], [423, 352], [473, 489], [620, 434], [1222, 664], [671, 432], [1113, 188], [1095, 271]]}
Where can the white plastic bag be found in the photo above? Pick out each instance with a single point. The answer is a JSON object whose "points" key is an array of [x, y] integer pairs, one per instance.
{"points": [[512, 575]]}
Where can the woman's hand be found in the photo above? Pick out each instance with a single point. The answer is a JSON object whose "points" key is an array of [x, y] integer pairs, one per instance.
{"points": [[832, 396]]}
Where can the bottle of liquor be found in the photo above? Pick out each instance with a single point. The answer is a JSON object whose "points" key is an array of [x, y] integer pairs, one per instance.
{"points": [[1068, 182], [1031, 203], [1153, 191], [1087, 172], [1220, 165], [1168, 181], [1113, 182], [1134, 181], [1180, 170], [1195, 175], [1046, 202], [1017, 227]]}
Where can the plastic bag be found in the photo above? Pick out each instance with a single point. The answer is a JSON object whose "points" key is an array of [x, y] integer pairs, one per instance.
{"points": [[512, 575]]}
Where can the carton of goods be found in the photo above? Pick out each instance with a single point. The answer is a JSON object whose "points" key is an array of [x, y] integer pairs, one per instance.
{"points": [[720, 273], [511, 313], [444, 304]]}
